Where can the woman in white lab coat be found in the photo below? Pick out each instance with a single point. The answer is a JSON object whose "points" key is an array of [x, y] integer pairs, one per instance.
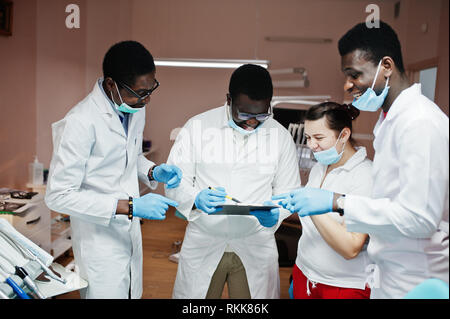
{"points": [[97, 160], [331, 261]]}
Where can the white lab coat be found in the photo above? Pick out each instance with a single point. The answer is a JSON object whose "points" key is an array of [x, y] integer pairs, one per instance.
{"points": [[210, 153], [95, 164], [407, 219]]}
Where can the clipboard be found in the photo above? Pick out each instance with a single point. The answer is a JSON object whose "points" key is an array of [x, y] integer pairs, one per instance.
{"points": [[243, 209]]}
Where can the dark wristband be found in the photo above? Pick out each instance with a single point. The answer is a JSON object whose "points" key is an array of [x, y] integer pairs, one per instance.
{"points": [[339, 209], [130, 208]]}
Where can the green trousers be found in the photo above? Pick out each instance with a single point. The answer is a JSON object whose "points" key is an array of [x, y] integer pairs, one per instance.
{"points": [[231, 271]]}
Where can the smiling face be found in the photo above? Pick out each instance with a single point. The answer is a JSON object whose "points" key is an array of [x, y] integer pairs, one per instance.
{"points": [[319, 137], [360, 74]]}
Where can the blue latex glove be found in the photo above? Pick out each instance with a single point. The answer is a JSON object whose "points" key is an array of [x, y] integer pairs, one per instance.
{"points": [[284, 200], [152, 206], [291, 290], [267, 218], [307, 201], [208, 199], [168, 174]]}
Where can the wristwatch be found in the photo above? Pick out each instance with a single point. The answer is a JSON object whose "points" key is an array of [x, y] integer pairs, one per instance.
{"points": [[150, 173], [340, 204]]}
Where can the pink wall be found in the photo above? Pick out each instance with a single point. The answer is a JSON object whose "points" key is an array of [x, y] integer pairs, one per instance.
{"points": [[60, 72], [18, 96], [443, 56], [237, 30], [59, 66]]}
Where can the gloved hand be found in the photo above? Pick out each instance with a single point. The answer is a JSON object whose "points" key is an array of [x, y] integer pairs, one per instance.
{"points": [[267, 218], [208, 199], [284, 200], [307, 201], [152, 206], [168, 174]]}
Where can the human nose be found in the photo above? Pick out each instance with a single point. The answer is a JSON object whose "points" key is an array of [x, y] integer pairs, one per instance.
{"points": [[348, 85], [312, 145], [252, 121]]}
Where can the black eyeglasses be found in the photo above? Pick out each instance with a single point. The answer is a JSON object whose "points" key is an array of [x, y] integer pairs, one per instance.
{"points": [[143, 96]]}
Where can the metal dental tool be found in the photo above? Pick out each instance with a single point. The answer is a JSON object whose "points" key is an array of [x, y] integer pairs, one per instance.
{"points": [[22, 273], [3, 295], [47, 270], [27, 253]]}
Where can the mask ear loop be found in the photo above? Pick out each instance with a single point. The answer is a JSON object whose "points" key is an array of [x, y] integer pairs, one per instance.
{"points": [[121, 101], [376, 74], [229, 111], [343, 146]]}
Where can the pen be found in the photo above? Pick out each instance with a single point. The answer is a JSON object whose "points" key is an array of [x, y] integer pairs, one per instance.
{"points": [[229, 197]]}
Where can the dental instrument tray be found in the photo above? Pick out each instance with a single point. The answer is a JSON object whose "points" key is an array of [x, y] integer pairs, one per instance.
{"points": [[243, 209], [27, 271], [16, 202]]}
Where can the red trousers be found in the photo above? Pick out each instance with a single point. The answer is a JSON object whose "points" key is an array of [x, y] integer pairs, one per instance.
{"points": [[322, 291]]}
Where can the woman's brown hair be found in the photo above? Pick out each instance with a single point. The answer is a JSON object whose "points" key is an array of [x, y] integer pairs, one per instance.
{"points": [[338, 116]]}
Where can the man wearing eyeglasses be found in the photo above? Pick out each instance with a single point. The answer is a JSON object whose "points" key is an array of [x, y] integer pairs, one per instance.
{"points": [[236, 150], [97, 161]]}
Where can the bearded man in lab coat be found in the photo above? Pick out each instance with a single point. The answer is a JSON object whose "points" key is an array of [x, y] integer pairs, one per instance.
{"points": [[240, 151], [97, 160], [407, 216]]}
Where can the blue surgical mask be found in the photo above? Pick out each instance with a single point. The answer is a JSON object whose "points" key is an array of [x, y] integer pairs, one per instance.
{"points": [[370, 101], [329, 156], [124, 107], [233, 125]]}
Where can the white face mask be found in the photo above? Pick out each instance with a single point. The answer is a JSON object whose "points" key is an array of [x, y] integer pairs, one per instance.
{"points": [[124, 107]]}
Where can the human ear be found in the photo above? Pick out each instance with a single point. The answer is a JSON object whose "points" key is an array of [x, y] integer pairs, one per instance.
{"points": [[345, 136], [228, 99], [109, 83], [387, 65]]}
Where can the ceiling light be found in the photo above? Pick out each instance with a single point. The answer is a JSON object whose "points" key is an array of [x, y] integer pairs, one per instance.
{"points": [[208, 63]]}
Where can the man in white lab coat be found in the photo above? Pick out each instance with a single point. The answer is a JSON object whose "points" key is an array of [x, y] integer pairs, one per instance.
{"points": [[407, 216], [240, 151], [97, 160]]}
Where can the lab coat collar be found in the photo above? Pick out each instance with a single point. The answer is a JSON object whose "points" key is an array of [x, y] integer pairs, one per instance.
{"points": [[401, 104], [104, 107], [356, 159], [102, 102]]}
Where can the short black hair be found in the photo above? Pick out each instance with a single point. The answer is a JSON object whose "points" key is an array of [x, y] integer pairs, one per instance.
{"points": [[251, 80], [377, 42], [127, 60]]}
